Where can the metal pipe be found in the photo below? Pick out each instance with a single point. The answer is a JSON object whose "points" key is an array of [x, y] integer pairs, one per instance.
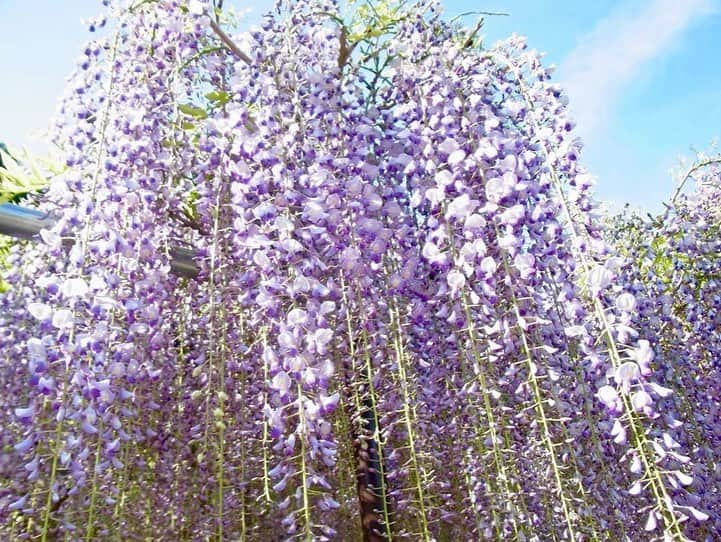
{"points": [[23, 223]]}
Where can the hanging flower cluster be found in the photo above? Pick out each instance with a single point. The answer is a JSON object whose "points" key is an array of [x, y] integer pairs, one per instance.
{"points": [[405, 325], [675, 278]]}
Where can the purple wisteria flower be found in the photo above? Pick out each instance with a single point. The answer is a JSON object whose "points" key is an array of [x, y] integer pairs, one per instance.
{"points": [[407, 321]]}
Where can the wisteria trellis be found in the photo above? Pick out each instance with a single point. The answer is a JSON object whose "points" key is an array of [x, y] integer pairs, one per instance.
{"points": [[407, 323]]}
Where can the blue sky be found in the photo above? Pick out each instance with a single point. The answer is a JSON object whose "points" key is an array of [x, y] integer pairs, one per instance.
{"points": [[643, 76]]}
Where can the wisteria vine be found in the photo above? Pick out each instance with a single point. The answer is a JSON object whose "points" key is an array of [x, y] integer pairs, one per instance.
{"points": [[409, 322]]}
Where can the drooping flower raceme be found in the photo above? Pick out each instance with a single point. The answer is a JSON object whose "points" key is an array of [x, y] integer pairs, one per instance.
{"points": [[674, 279], [405, 324]]}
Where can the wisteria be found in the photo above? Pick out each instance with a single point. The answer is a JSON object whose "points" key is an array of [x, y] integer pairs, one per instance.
{"points": [[410, 321], [674, 276]]}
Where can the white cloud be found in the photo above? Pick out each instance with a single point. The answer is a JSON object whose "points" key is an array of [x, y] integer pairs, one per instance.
{"points": [[609, 57]]}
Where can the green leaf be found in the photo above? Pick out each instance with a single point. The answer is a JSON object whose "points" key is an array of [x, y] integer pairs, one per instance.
{"points": [[193, 111], [19, 178], [218, 97]]}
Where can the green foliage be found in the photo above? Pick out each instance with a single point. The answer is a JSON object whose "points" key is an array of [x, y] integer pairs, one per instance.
{"points": [[218, 97], [193, 111], [4, 249], [375, 19], [20, 177]]}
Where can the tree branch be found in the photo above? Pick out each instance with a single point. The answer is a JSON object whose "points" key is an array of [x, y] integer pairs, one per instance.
{"points": [[229, 43], [694, 169]]}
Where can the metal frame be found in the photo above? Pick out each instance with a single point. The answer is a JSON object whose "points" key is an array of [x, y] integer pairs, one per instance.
{"points": [[23, 223]]}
